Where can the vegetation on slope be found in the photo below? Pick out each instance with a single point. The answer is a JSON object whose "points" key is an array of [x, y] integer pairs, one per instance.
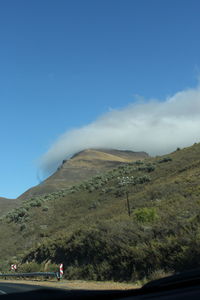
{"points": [[88, 226]]}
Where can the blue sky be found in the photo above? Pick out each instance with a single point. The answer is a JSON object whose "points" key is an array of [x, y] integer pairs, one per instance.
{"points": [[65, 63]]}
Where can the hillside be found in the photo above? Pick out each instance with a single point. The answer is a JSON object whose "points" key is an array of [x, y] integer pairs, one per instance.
{"points": [[81, 166], [7, 204], [88, 226]]}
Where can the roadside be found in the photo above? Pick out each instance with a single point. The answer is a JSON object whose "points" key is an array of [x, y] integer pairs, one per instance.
{"points": [[78, 284]]}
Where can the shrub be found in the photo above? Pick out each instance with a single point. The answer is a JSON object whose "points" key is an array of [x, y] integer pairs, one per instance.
{"points": [[94, 204], [119, 193], [51, 268], [17, 215], [145, 214], [22, 227], [143, 179], [126, 180], [165, 159], [30, 267], [139, 162], [35, 203], [45, 208], [149, 168], [91, 189]]}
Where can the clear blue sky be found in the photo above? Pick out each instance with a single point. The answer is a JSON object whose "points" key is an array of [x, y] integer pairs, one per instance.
{"points": [[65, 62]]}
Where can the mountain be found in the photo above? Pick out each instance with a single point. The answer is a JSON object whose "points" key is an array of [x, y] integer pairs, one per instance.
{"points": [[81, 166], [91, 228], [7, 204]]}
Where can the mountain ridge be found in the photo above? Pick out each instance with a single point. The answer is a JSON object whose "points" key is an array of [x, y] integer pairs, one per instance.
{"points": [[83, 165]]}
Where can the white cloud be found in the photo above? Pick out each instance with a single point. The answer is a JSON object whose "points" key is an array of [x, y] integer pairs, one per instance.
{"points": [[153, 126]]}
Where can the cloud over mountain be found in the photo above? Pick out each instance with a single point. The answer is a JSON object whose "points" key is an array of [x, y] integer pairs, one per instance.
{"points": [[152, 126]]}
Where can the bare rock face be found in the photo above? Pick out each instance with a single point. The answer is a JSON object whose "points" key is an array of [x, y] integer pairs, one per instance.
{"points": [[82, 166]]}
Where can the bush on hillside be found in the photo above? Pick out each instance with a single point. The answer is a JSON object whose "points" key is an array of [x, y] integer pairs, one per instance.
{"points": [[165, 159], [31, 267], [146, 214]]}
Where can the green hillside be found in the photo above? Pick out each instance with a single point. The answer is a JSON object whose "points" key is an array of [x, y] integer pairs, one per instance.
{"points": [[89, 228]]}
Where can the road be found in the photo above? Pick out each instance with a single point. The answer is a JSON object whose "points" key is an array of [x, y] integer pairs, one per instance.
{"points": [[8, 288], [25, 291]]}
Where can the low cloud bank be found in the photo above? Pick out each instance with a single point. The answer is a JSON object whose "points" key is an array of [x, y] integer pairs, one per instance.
{"points": [[153, 126]]}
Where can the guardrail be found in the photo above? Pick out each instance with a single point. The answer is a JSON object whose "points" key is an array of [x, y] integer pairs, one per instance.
{"points": [[34, 274]]}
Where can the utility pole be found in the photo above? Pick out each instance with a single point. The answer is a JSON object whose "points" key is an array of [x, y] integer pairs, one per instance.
{"points": [[128, 204]]}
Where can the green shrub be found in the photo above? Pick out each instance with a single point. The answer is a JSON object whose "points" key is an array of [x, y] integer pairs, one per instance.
{"points": [[149, 168], [119, 193], [22, 227], [45, 208], [91, 189], [94, 204], [17, 215], [31, 267], [143, 179], [36, 203], [165, 159], [138, 162], [51, 268], [145, 214]]}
